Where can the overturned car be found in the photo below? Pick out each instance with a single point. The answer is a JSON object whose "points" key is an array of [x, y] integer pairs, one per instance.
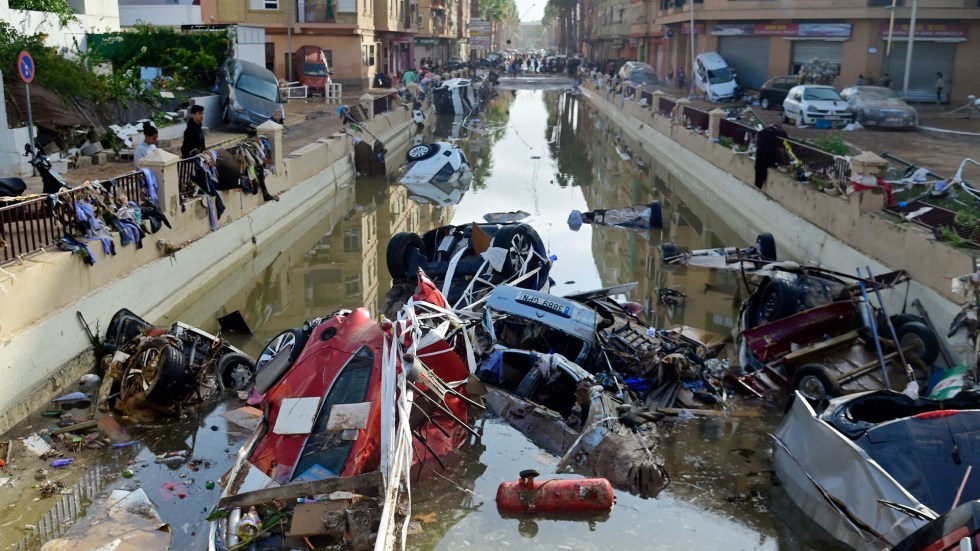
{"points": [[160, 369]]}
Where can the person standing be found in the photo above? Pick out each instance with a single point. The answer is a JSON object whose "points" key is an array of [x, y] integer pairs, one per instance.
{"points": [[860, 80], [194, 133], [886, 80], [769, 144], [939, 88], [150, 135], [409, 77], [681, 79]]}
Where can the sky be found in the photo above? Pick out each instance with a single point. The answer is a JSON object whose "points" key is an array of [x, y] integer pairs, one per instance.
{"points": [[530, 10]]}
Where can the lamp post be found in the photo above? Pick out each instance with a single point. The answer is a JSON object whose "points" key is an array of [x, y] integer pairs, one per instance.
{"points": [[289, 41], [908, 54], [693, 38]]}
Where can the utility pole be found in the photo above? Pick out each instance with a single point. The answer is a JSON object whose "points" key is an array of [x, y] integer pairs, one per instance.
{"points": [[908, 54], [289, 40]]}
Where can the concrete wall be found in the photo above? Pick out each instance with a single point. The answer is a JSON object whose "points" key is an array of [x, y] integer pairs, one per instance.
{"points": [[43, 347], [170, 15], [841, 233]]}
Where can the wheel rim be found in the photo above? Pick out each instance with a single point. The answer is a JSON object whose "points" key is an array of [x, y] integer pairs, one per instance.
{"points": [[418, 151], [913, 344], [239, 375], [140, 380], [519, 247], [765, 104], [768, 308], [284, 343], [812, 388]]}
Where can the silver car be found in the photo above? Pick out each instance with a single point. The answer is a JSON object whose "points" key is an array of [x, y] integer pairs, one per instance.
{"points": [[880, 107], [249, 94]]}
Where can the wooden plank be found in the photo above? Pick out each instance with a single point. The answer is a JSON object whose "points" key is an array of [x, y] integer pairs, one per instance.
{"points": [[821, 346], [366, 484], [84, 426]]}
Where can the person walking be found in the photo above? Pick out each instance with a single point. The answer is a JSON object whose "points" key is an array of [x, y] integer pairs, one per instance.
{"points": [[681, 79], [939, 87]]}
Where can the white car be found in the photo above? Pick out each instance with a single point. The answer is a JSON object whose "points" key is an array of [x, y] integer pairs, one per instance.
{"points": [[809, 103]]}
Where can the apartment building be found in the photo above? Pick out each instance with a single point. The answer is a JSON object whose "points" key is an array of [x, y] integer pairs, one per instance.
{"points": [[766, 38]]}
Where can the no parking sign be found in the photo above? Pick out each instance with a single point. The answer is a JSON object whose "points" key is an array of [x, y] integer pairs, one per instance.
{"points": [[25, 67]]}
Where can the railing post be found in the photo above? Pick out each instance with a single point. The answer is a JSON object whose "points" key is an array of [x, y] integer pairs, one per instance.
{"points": [[679, 106], [866, 169], [163, 165], [367, 102], [273, 131], [655, 104], [715, 117]]}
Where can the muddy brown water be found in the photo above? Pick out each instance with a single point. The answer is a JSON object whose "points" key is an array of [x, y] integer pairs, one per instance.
{"points": [[534, 150]]}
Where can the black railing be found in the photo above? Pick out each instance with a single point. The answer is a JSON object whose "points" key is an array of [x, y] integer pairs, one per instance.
{"points": [[737, 132], [667, 107], [697, 118]]}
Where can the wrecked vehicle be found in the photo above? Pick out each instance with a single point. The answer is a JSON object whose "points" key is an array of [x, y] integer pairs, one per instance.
{"points": [[435, 163], [875, 467], [159, 369], [638, 216], [454, 97], [467, 261], [602, 336], [349, 406], [807, 329], [559, 406], [724, 258]]}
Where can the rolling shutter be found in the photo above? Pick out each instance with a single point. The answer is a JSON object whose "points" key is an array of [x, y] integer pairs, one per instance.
{"points": [[927, 58], [748, 56], [805, 51]]}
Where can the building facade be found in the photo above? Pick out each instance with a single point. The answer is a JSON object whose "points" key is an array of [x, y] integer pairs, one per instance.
{"points": [[765, 38]]}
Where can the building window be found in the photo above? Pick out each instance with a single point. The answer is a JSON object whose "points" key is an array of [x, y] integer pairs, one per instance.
{"points": [[352, 240], [367, 55], [352, 285]]}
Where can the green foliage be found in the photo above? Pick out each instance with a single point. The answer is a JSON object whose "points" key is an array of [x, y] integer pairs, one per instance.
{"points": [[967, 218], [726, 142], [833, 144], [947, 233], [60, 8], [66, 77]]}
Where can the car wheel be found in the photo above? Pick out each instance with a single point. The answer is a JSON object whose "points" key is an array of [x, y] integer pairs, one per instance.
{"points": [[776, 300], [785, 118], [399, 253], [157, 374], [516, 241], [765, 103], [816, 383], [800, 121], [236, 370], [421, 152], [915, 338]]}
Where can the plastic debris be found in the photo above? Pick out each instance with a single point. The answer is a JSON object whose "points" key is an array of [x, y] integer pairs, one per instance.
{"points": [[61, 463], [71, 397]]}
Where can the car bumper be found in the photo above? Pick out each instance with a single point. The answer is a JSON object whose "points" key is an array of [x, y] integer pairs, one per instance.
{"points": [[835, 121]]}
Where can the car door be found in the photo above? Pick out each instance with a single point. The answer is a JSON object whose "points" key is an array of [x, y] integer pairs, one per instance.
{"points": [[794, 101], [781, 89]]}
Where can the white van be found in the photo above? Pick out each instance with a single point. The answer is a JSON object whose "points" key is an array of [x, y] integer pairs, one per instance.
{"points": [[714, 78]]}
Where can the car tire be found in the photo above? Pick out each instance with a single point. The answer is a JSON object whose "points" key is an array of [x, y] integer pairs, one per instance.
{"points": [[916, 339], [421, 152], [785, 118], [800, 122], [162, 374], [764, 103], [816, 383], [776, 300], [277, 358], [765, 245], [399, 254], [236, 370], [516, 240]]}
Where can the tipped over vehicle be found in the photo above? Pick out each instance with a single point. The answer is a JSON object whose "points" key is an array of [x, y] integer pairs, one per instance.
{"points": [[160, 370], [249, 93], [436, 164]]}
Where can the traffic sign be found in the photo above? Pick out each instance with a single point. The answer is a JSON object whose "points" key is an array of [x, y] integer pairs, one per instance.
{"points": [[25, 67]]}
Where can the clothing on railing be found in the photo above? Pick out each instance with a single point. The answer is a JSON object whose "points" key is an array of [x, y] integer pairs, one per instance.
{"points": [[86, 212], [150, 186], [75, 246], [206, 175]]}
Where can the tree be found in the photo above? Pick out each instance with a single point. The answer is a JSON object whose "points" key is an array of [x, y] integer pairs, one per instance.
{"points": [[58, 7]]}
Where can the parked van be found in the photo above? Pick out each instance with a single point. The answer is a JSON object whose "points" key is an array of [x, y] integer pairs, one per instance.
{"points": [[714, 78], [249, 93]]}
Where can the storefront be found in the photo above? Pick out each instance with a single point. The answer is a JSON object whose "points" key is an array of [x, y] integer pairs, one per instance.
{"points": [[934, 50], [748, 56]]}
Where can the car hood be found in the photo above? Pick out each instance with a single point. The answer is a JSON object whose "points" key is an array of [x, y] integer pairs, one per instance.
{"points": [[827, 105], [883, 104]]}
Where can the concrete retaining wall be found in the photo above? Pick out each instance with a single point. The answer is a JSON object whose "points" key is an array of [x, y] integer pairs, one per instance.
{"points": [[43, 346], [841, 233]]}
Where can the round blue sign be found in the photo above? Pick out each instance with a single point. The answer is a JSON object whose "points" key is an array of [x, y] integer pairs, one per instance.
{"points": [[25, 67]]}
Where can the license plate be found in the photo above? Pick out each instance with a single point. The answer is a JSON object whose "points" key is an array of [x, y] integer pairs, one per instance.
{"points": [[894, 120], [545, 304], [832, 118]]}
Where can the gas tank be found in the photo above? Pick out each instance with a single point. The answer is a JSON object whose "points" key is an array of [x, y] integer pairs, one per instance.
{"points": [[582, 495]]}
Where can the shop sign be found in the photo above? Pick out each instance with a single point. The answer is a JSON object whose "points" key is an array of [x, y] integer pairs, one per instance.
{"points": [[926, 30], [426, 41], [816, 30], [698, 28]]}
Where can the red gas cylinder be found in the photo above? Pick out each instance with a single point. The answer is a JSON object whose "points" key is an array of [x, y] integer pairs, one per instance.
{"points": [[582, 495]]}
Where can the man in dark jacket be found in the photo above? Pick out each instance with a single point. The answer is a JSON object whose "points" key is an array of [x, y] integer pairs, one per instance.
{"points": [[768, 152], [194, 133]]}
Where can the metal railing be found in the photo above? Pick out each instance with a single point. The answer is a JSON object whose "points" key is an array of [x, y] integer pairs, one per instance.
{"points": [[697, 118], [131, 184], [31, 225], [667, 107], [737, 132], [820, 163]]}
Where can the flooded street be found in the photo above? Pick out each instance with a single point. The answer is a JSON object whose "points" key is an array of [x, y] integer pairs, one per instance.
{"points": [[539, 151]]}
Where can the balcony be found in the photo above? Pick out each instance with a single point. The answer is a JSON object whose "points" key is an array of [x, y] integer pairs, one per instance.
{"points": [[324, 12]]}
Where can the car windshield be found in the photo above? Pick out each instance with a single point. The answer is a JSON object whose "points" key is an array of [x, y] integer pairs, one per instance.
{"points": [[825, 94], [259, 87], [643, 77], [876, 92], [315, 69], [719, 76]]}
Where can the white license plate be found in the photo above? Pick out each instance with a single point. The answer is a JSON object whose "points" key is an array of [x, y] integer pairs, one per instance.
{"points": [[544, 304], [832, 118], [894, 120]]}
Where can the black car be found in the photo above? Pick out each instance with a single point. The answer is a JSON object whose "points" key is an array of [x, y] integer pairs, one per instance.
{"points": [[774, 91]]}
